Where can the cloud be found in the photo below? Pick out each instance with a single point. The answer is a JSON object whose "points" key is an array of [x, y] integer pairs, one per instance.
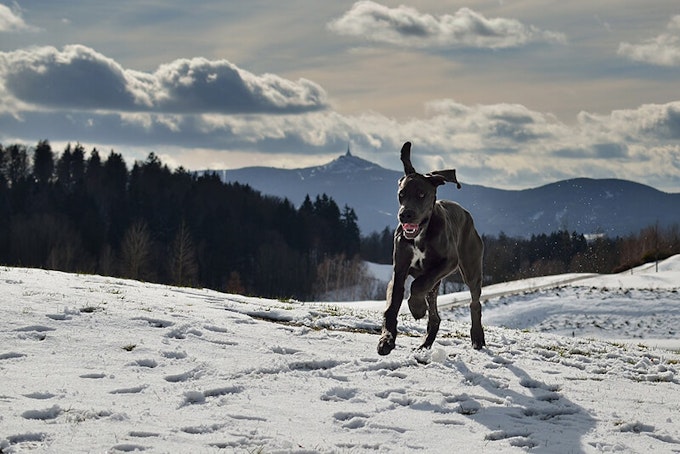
{"points": [[503, 145], [200, 85], [649, 123], [663, 50], [78, 77], [77, 94], [405, 26], [11, 21]]}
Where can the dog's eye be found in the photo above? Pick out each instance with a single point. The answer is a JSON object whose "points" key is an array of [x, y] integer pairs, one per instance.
{"points": [[421, 195]]}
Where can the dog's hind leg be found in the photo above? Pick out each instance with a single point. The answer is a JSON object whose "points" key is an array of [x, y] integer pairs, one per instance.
{"points": [[433, 319], [472, 275], [476, 331]]}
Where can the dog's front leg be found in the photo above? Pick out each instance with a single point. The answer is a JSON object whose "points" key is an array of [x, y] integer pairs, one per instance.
{"points": [[395, 296], [433, 319]]}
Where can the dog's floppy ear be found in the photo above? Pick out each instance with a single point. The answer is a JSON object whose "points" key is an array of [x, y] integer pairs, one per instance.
{"points": [[406, 158], [439, 177]]}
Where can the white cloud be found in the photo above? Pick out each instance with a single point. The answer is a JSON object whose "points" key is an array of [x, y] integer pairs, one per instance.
{"points": [[78, 77], [405, 26], [11, 21], [662, 50], [200, 85]]}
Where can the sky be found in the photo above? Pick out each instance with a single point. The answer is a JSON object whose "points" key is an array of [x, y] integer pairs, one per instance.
{"points": [[513, 94]]}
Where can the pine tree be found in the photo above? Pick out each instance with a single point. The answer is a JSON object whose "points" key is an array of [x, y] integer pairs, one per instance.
{"points": [[43, 163]]}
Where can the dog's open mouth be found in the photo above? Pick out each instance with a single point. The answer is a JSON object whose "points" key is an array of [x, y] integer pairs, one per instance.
{"points": [[410, 230]]}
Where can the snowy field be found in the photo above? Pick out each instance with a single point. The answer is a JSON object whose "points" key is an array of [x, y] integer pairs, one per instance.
{"points": [[574, 364]]}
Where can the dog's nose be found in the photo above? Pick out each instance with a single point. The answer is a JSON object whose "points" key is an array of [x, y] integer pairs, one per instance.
{"points": [[406, 216]]}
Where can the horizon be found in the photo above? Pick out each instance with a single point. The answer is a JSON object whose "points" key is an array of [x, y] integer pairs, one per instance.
{"points": [[400, 170]]}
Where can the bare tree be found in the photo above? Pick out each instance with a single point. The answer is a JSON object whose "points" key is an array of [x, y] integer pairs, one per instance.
{"points": [[136, 251], [183, 263], [340, 278]]}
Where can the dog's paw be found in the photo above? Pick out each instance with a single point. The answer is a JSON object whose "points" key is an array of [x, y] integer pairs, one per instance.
{"points": [[386, 345], [478, 341]]}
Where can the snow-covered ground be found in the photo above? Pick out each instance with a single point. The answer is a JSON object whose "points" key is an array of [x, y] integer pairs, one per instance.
{"points": [[99, 364]]}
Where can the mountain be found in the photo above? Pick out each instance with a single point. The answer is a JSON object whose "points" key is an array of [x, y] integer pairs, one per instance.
{"points": [[611, 206]]}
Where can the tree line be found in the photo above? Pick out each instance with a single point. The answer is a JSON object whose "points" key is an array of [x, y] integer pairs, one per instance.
{"points": [[510, 258], [563, 252], [81, 212]]}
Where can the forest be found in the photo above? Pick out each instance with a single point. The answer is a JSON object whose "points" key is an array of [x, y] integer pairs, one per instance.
{"points": [[82, 212], [91, 214]]}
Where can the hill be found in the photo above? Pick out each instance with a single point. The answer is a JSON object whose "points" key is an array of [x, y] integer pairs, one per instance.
{"points": [[92, 363], [611, 206]]}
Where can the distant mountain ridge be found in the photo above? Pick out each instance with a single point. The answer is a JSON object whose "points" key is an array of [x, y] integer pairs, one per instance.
{"points": [[611, 206]]}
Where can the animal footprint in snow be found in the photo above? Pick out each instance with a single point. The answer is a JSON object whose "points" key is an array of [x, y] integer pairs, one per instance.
{"points": [[517, 438], [40, 396], [46, 414], [351, 420], [11, 355], [181, 332], [466, 405], [396, 396], [155, 322], [535, 384], [279, 350], [29, 437], [59, 317], [199, 397], [133, 390], [95, 375], [338, 394], [127, 447], [174, 354], [192, 374], [150, 363], [36, 332]]}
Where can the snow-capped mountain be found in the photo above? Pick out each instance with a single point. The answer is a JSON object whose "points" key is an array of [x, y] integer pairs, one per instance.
{"points": [[611, 206]]}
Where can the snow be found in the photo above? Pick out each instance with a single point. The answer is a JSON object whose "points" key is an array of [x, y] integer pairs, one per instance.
{"points": [[99, 364]]}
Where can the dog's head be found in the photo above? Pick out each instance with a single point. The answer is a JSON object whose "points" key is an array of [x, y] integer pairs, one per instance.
{"points": [[417, 195]]}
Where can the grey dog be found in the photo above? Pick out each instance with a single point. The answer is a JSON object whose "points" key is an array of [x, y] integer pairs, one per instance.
{"points": [[434, 239]]}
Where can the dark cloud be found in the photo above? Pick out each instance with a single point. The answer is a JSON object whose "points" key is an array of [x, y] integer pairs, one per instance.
{"points": [[572, 153], [405, 26], [610, 150], [671, 121], [78, 77]]}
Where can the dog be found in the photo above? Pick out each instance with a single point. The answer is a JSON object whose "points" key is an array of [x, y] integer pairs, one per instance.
{"points": [[433, 240]]}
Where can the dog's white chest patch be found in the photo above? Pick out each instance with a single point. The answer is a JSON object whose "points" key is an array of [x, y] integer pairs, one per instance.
{"points": [[418, 257]]}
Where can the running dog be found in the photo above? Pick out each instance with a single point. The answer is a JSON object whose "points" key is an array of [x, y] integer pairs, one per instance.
{"points": [[434, 239]]}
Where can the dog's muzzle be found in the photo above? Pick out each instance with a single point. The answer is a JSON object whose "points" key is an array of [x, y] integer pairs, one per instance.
{"points": [[410, 230]]}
